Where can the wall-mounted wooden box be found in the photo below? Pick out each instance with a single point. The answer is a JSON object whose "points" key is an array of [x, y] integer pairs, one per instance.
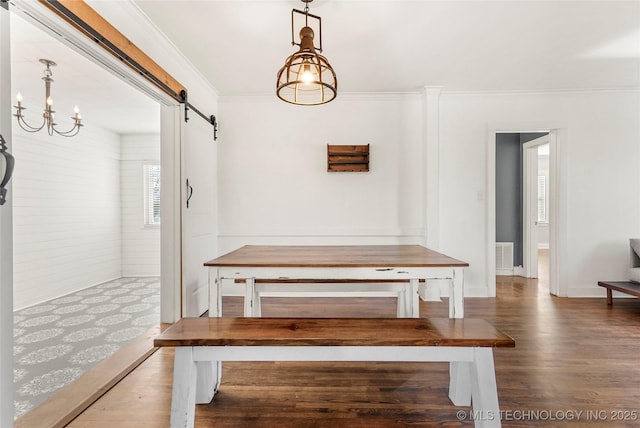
{"points": [[347, 158]]}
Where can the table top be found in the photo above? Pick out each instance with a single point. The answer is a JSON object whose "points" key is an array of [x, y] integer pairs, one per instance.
{"points": [[333, 332], [323, 256]]}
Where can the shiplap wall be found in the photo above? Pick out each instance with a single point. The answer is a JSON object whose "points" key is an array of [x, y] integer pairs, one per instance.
{"points": [[66, 213], [140, 244]]}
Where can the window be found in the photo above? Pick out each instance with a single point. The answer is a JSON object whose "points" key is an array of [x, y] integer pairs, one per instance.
{"points": [[542, 199], [151, 183]]}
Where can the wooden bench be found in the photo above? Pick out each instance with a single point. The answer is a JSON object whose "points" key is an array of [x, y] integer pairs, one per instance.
{"points": [[627, 287], [399, 289], [203, 343]]}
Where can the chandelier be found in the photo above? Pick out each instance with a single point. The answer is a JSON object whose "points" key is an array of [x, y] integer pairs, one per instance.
{"points": [[48, 121], [306, 77]]}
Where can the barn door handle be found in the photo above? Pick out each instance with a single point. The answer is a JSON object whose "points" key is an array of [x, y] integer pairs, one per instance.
{"points": [[189, 192], [10, 161]]}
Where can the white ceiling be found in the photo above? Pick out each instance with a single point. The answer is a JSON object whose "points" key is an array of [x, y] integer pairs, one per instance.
{"points": [[400, 46], [374, 46]]}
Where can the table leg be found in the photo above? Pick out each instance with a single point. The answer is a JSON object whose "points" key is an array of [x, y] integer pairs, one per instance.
{"points": [[456, 294], [609, 296], [249, 295], [215, 293]]}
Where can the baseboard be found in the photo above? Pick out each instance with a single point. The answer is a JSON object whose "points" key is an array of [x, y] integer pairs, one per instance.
{"points": [[595, 292]]}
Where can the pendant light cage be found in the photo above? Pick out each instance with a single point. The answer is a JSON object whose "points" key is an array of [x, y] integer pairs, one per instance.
{"points": [[306, 78]]}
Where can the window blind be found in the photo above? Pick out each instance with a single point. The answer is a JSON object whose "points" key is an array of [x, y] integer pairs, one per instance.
{"points": [[542, 199], [151, 182]]}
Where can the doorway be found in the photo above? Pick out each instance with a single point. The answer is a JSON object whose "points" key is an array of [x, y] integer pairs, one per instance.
{"points": [[518, 186], [78, 204]]}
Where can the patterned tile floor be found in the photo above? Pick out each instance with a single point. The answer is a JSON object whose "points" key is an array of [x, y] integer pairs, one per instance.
{"points": [[57, 341]]}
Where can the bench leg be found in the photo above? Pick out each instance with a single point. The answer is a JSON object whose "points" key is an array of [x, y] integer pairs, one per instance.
{"points": [[401, 308], [257, 308], [414, 285], [484, 390], [183, 395], [409, 301], [208, 380], [460, 383]]}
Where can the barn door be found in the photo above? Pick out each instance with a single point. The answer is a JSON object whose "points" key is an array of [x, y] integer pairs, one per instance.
{"points": [[198, 173]]}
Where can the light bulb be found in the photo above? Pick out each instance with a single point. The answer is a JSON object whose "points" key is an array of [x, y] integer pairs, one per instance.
{"points": [[19, 97], [76, 110], [307, 75], [49, 101]]}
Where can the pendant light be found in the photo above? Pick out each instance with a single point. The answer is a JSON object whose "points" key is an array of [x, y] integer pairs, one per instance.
{"points": [[306, 78]]}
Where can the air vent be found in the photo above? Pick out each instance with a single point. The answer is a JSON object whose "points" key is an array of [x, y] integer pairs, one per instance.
{"points": [[504, 258]]}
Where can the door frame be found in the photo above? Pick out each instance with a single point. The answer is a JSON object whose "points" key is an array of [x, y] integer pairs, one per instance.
{"points": [[6, 234], [557, 209]]}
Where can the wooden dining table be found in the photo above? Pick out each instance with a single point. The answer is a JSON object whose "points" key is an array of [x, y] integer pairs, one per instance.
{"points": [[314, 266]]}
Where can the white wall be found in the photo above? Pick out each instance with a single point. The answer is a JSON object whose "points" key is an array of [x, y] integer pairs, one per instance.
{"points": [[274, 187], [140, 244], [66, 210], [273, 181], [599, 178]]}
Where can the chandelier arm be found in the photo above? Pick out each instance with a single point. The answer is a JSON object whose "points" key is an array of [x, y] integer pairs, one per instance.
{"points": [[75, 130], [24, 125]]}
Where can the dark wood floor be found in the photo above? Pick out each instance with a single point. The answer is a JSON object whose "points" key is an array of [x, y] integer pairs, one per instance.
{"points": [[571, 356]]}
